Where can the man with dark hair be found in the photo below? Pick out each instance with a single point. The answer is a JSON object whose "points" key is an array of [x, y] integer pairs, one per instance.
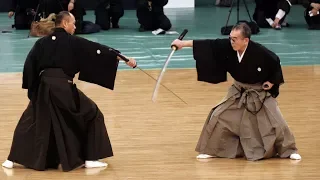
{"points": [[23, 12], [108, 11], [272, 13], [248, 122], [151, 15], [61, 125]]}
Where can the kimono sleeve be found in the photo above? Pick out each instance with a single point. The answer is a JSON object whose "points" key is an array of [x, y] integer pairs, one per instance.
{"points": [[275, 73], [285, 5], [209, 62], [30, 70], [276, 76], [97, 64]]}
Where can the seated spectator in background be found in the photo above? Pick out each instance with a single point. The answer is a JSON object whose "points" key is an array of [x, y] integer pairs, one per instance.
{"points": [[311, 13], [76, 8], [108, 11], [151, 16], [271, 13], [23, 12]]}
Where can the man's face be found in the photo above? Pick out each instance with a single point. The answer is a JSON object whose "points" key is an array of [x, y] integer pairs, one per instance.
{"points": [[69, 24], [238, 42]]}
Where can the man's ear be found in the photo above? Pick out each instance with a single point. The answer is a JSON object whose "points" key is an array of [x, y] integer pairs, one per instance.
{"points": [[247, 40], [64, 23]]}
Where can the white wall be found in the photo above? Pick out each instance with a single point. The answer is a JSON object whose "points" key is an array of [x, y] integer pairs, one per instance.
{"points": [[180, 4]]}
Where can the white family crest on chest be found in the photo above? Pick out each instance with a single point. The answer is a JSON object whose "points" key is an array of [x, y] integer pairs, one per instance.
{"points": [[259, 69]]}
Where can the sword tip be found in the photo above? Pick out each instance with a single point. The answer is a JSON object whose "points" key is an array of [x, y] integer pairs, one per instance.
{"points": [[153, 98]]}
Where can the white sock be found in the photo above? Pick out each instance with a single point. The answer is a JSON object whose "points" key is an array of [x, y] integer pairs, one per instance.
{"points": [[8, 164], [204, 156], [95, 164], [295, 156]]}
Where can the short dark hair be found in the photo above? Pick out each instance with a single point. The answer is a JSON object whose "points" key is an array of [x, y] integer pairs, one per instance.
{"points": [[61, 16], [244, 28]]}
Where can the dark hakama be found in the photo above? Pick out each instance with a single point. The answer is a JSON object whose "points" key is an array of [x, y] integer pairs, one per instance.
{"points": [[61, 125], [152, 17], [266, 9], [312, 21], [23, 13], [108, 11], [247, 123]]}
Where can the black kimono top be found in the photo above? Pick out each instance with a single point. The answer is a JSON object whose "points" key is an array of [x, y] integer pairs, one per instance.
{"points": [[214, 58], [271, 7], [17, 5], [95, 63]]}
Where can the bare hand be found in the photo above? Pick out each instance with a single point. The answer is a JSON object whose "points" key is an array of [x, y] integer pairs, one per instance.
{"points": [[10, 14], [275, 22], [314, 11], [131, 62], [267, 85], [315, 5], [70, 6], [177, 43]]}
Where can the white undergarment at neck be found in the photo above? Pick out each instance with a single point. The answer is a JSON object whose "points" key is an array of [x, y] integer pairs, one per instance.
{"points": [[240, 57]]}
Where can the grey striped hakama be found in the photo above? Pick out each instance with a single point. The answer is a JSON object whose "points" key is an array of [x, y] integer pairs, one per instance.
{"points": [[247, 123]]}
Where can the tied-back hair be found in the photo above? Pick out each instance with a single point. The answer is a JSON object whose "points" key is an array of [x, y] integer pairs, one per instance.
{"points": [[61, 16], [43, 27], [244, 28]]}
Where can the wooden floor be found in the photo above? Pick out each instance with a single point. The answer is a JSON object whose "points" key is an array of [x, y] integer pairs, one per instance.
{"points": [[157, 140]]}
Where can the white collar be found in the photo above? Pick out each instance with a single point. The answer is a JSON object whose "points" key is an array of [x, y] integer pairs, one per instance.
{"points": [[240, 57]]}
